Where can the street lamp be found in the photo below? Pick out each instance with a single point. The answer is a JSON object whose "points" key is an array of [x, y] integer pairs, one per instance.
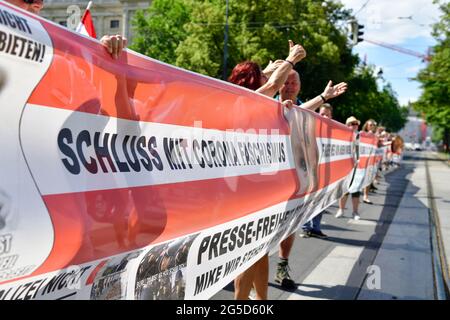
{"points": [[380, 74]]}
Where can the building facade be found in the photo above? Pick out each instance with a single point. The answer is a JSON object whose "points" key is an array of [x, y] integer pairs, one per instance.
{"points": [[109, 16], [416, 131]]}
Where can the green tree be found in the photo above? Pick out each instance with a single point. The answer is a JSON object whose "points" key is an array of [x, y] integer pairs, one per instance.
{"points": [[391, 115], [260, 32], [365, 101], [160, 29], [434, 103], [190, 34]]}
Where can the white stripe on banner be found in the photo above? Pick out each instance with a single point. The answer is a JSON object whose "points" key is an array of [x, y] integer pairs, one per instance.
{"points": [[77, 151], [366, 149], [333, 149]]}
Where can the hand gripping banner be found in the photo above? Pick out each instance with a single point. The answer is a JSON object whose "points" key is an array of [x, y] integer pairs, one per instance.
{"points": [[133, 179]]}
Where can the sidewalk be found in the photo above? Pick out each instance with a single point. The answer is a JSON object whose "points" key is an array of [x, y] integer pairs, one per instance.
{"points": [[444, 157], [440, 180], [404, 260]]}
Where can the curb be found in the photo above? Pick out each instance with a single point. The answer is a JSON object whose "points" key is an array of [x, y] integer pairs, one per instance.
{"points": [[442, 157], [440, 266]]}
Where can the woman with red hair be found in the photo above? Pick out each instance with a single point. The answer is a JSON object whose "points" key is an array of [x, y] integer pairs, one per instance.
{"points": [[248, 74]]}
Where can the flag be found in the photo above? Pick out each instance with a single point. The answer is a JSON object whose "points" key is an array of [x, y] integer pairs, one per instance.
{"points": [[86, 25]]}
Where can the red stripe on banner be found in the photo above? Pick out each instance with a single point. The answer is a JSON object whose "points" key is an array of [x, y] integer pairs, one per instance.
{"points": [[135, 88], [364, 162], [94, 272], [334, 171], [369, 138], [328, 128], [329, 173], [374, 160], [93, 225]]}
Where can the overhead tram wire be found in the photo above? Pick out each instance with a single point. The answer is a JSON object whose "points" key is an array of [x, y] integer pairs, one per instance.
{"points": [[362, 7]]}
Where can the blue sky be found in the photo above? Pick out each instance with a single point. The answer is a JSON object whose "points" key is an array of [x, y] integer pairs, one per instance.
{"points": [[404, 23]]}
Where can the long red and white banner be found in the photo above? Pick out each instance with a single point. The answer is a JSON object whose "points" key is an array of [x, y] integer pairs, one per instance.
{"points": [[133, 179]]}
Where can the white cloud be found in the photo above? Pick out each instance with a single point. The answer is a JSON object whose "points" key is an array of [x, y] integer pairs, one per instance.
{"points": [[381, 18]]}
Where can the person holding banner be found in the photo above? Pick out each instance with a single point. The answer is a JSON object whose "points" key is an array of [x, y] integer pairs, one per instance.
{"points": [[249, 74], [290, 91], [379, 130], [353, 123], [369, 126], [328, 93], [114, 44], [292, 87]]}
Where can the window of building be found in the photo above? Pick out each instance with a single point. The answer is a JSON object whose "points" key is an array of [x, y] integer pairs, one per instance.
{"points": [[114, 24]]}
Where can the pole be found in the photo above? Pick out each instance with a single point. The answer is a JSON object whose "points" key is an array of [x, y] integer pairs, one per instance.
{"points": [[225, 47]]}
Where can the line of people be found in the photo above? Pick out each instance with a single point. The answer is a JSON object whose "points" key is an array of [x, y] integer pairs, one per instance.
{"points": [[281, 81], [278, 80], [395, 147]]}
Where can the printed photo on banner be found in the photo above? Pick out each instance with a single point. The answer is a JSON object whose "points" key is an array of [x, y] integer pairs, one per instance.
{"points": [[304, 148], [161, 273], [111, 281]]}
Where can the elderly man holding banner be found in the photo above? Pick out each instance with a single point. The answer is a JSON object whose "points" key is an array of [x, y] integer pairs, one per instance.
{"points": [[290, 91]]}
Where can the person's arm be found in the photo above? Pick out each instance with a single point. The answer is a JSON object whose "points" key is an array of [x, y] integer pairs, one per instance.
{"points": [[114, 44], [278, 78], [123, 97], [271, 67], [330, 92]]}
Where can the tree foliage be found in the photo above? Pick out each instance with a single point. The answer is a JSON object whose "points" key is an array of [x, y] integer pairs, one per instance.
{"points": [[434, 102], [159, 31], [365, 101], [190, 34], [260, 32]]}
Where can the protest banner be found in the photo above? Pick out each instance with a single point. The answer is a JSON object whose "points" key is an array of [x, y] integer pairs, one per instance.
{"points": [[134, 179]]}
